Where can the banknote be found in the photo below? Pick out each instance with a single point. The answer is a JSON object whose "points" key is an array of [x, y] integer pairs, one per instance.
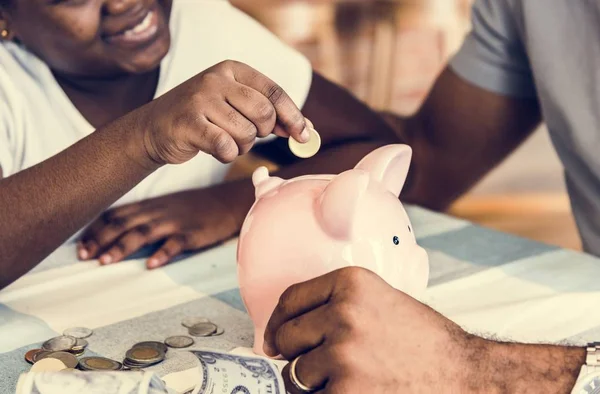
{"points": [[236, 374], [217, 373], [96, 382]]}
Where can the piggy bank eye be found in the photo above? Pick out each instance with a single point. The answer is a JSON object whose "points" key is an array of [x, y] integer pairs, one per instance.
{"points": [[396, 240]]}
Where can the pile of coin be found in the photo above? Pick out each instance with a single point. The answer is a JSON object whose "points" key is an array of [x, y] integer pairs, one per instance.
{"points": [[145, 354], [201, 327], [60, 353]]}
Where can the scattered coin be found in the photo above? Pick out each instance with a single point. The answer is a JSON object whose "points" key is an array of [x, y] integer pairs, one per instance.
{"points": [[77, 354], [59, 344], [37, 356], [29, 355], [67, 358], [48, 365], [132, 369], [190, 322], [99, 364], [144, 355], [79, 346], [78, 332], [179, 341], [135, 366], [307, 149], [202, 329], [161, 347], [130, 364], [219, 331]]}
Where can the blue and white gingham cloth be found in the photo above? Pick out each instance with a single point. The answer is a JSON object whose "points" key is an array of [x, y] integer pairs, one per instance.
{"points": [[489, 282]]}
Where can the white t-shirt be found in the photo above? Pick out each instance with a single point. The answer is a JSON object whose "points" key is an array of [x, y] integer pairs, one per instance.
{"points": [[37, 119]]}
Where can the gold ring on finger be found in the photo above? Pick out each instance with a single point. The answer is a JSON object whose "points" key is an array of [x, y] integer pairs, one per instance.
{"points": [[295, 381]]}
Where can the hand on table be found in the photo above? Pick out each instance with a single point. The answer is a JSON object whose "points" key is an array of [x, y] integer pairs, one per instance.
{"points": [[357, 334], [186, 221]]}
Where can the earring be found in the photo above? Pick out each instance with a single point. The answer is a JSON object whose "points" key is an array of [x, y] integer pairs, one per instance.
{"points": [[4, 33]]}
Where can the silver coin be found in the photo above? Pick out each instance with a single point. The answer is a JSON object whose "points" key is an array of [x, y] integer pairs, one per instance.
{"points": [[131, 365], [77, 354], [79, 346], [99, 364], [219, 331], [144, 355], [202, 329], [67, 358], [78, 332], [153, 344], [132, 369], [190, 322], [179, 341], [59, 344]]}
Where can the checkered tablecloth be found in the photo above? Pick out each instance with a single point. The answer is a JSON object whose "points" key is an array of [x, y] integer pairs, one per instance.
{"points": [[489, 282]]}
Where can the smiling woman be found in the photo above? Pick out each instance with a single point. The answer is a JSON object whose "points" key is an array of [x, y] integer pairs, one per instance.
{"points": [[101, 94], [93, 38]]}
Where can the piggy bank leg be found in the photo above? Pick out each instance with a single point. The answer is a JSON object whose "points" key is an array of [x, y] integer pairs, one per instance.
{"points": [[259, 339]]}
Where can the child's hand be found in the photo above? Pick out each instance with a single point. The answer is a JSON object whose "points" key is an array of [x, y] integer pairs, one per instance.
{"points": [[185, 221], [220, 111]]}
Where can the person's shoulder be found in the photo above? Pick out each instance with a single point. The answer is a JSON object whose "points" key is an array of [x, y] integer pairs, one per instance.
{"points": [[18, 68], [23, 80], [11, 74]]}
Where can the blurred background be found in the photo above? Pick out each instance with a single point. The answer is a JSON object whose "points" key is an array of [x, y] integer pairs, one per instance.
{"points": [[388, 53]]}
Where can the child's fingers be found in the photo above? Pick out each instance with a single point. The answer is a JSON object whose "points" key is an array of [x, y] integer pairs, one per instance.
{"points": [[172, 247]]}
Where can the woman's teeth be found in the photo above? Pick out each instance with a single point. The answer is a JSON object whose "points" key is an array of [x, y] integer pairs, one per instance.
{"points": [[140, 27]]}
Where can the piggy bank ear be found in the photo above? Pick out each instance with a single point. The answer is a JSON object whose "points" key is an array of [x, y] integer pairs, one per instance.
{"points": [[339, 202], [263, 183], [389, 165]]}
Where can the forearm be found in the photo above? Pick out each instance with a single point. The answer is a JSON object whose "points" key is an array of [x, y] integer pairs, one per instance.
{"points": [[42, 206], [520, 368], [458, 135], [432, 179]]}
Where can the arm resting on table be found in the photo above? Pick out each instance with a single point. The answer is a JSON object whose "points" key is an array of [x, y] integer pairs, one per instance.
{"points": [[44, 205]]}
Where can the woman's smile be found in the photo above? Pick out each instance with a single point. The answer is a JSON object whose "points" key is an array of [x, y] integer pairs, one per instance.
{"points": [[137, 32]]}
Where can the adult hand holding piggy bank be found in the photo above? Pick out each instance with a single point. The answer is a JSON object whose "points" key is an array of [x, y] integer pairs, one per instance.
{"points": [[305, 227]]}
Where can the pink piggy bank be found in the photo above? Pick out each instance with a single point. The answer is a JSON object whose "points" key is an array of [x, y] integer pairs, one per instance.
{"points": [[305, 227]]}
